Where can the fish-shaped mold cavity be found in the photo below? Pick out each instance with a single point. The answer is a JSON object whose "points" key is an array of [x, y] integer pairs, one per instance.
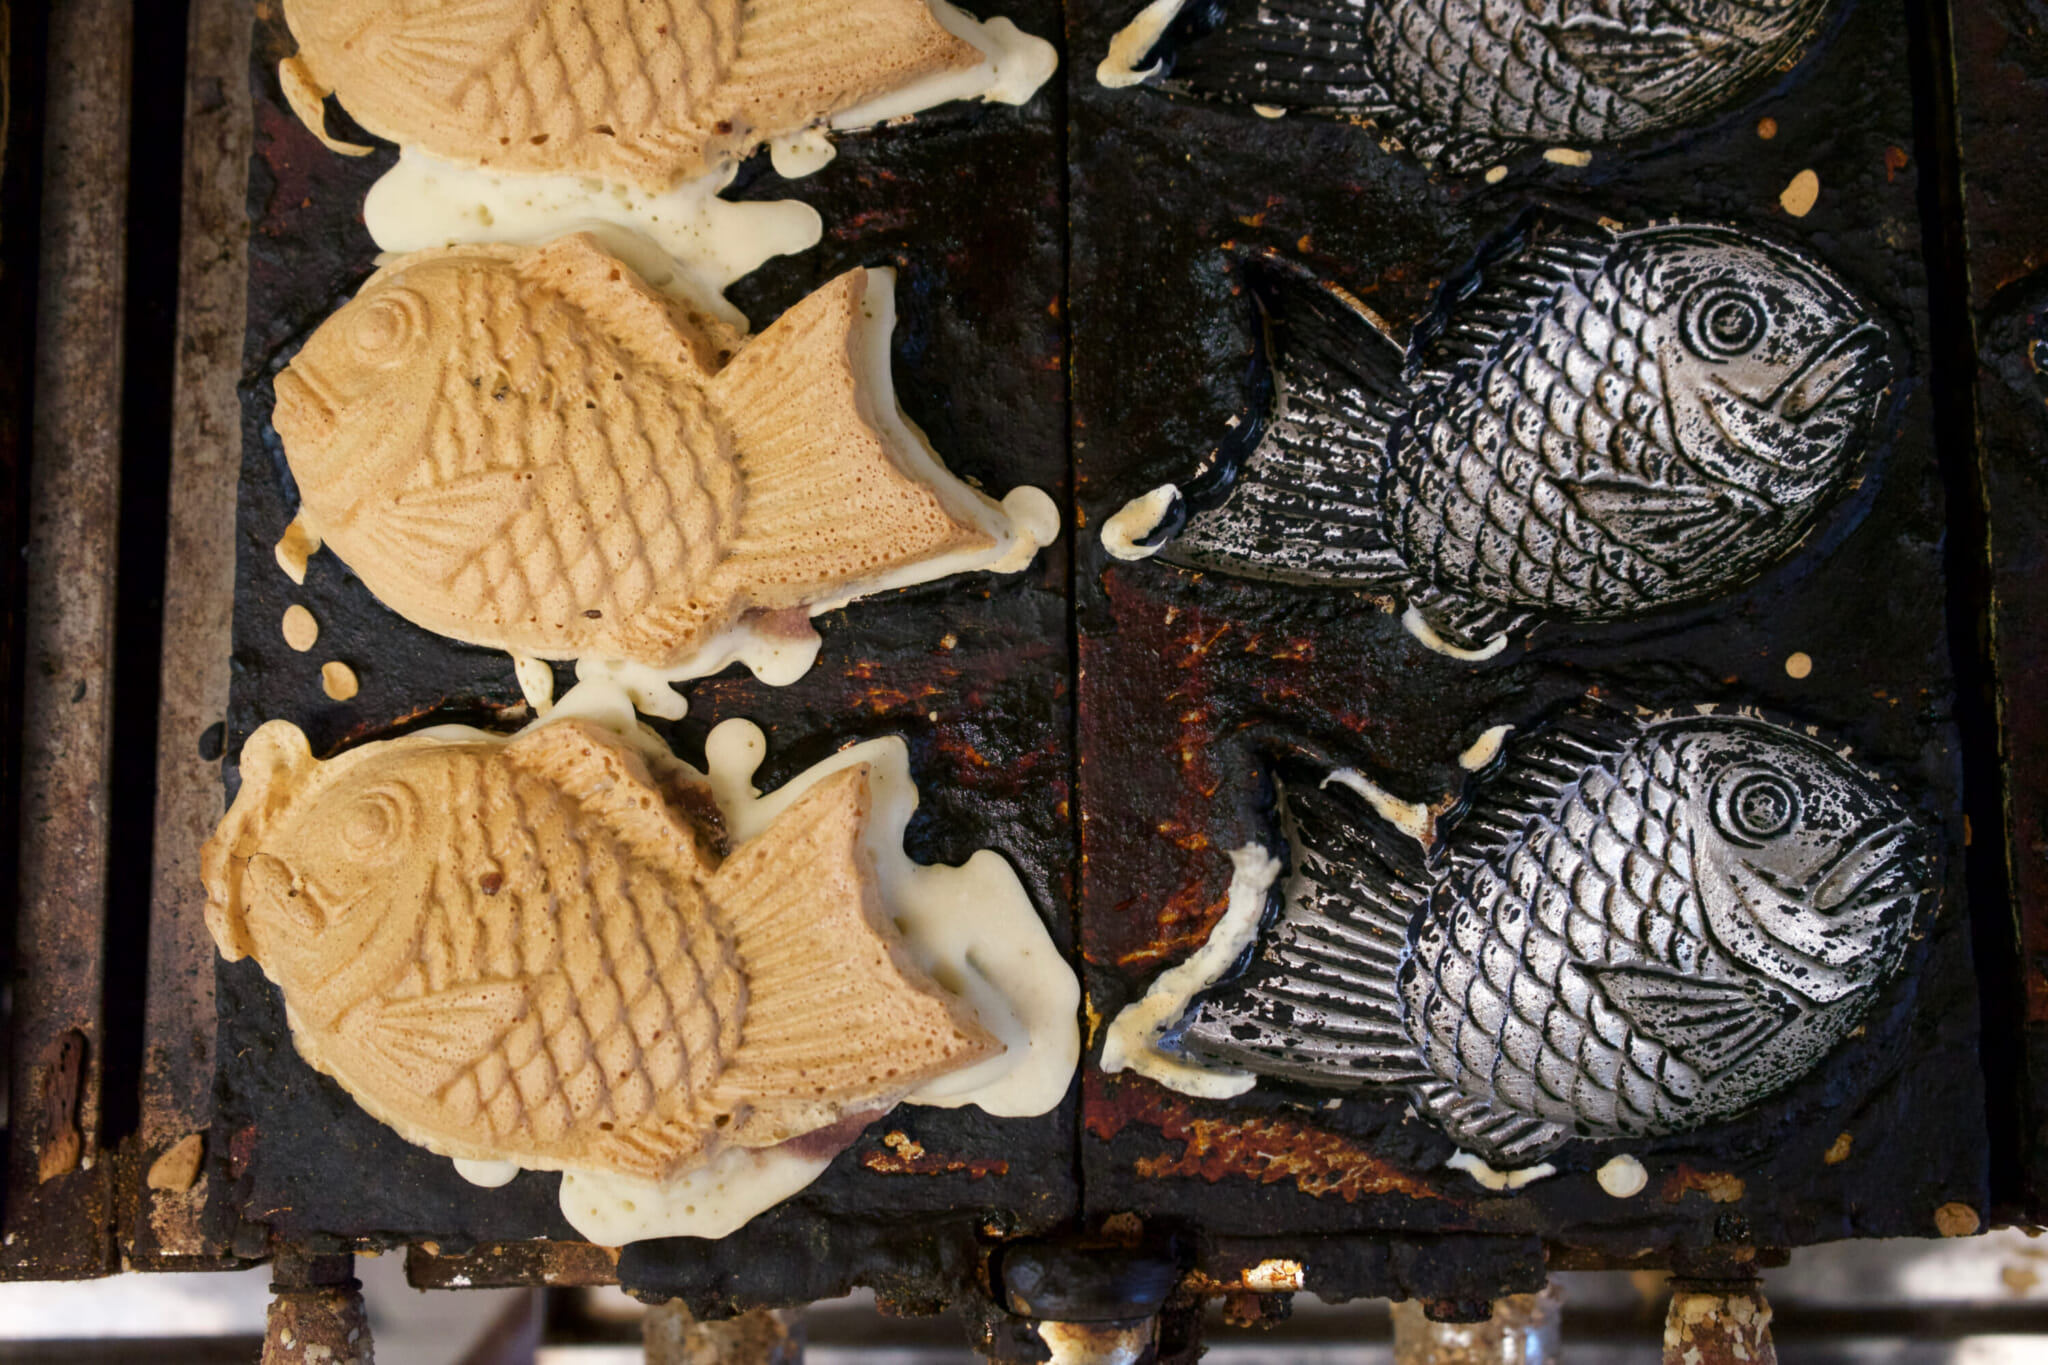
{"points": [[529, 449], [1632, 928], [1464, 84], [650, 92], [533, 950], [1591, 425]]}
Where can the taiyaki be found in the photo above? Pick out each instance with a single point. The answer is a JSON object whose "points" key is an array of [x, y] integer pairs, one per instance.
{"points": [[646, 91], [1634, 928], [527, 951], [1466, 83], [528, 448], [1592, 425]]}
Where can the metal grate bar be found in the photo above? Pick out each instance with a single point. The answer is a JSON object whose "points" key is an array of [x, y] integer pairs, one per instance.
{"points": [[56, 1219]]}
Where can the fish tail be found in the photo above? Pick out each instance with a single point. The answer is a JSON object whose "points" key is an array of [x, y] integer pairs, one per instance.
{"points": [[1322, 1003], [1296, 491], [1309, 55], [1303, 56], [831, 500], [1484, 1128], [838, 1018], [798, 58]]}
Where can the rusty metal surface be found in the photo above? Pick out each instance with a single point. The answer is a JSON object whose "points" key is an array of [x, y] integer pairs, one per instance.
{"points": [[1718, 1324], [182, 1220], [2000, 50], [1187, 678], [1177, 682], [20, 176], [317, 1316], [57, 1217], [763, 1336], [510, 1265], [2001, 83], [973, 673], [1518, 1328]]}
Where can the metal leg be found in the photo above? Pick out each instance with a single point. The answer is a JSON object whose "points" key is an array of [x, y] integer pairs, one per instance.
{"points": [[1718, 1322], [1089, 1305], [316, 1314], [766, 1336], [1522, 1330]]}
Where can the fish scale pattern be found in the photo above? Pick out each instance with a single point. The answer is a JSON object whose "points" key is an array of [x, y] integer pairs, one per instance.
{"points": [[643, 91], [1490, 71], [1498, 992], [1489, 482], [1464, 83], [634, 998], [537, 383], [1612, 938], [529, 449], [1558, 439], [521, 950], [564, 77]]}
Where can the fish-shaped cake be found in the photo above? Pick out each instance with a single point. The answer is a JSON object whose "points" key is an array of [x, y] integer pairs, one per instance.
{"points": [[1466, 83], [528, 448], [531, 951], [1633, 928], [646, 91], [1591, 426]]}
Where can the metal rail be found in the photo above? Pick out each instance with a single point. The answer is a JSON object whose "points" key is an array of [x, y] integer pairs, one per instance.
{"points": [[57, 1222]]}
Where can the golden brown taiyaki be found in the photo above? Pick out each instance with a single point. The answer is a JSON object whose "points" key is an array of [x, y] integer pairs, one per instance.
{"points": [[525, 951], [528, 448], [649, 91]]}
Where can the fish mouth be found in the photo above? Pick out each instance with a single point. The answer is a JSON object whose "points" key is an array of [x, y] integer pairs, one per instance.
{"points": [[301, 387], [1869, 877], [301, 900], [1855, 361], [1837, 930], [1795, 427]]}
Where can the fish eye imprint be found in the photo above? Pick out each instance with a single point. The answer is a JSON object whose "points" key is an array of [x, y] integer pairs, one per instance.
{"points": [[1592, 425], [1633, 929], [531, 449]]}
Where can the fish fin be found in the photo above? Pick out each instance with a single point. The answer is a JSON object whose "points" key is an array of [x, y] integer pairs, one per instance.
{"points": [[1461, 153], [1463, 622], [777, 83], [1670, 526], [1708, 1025], [622, 303], [1321, 1002], [838, 1015], [1305, 505], [439, 51], [430, 1041], [653, 1150], [307, 96], [1531, 778], [597, 771], [1485, 1129], [1305, 55], [453, 519], [828, 504], [1637, 60], [413, 550], [1515, 277]]}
